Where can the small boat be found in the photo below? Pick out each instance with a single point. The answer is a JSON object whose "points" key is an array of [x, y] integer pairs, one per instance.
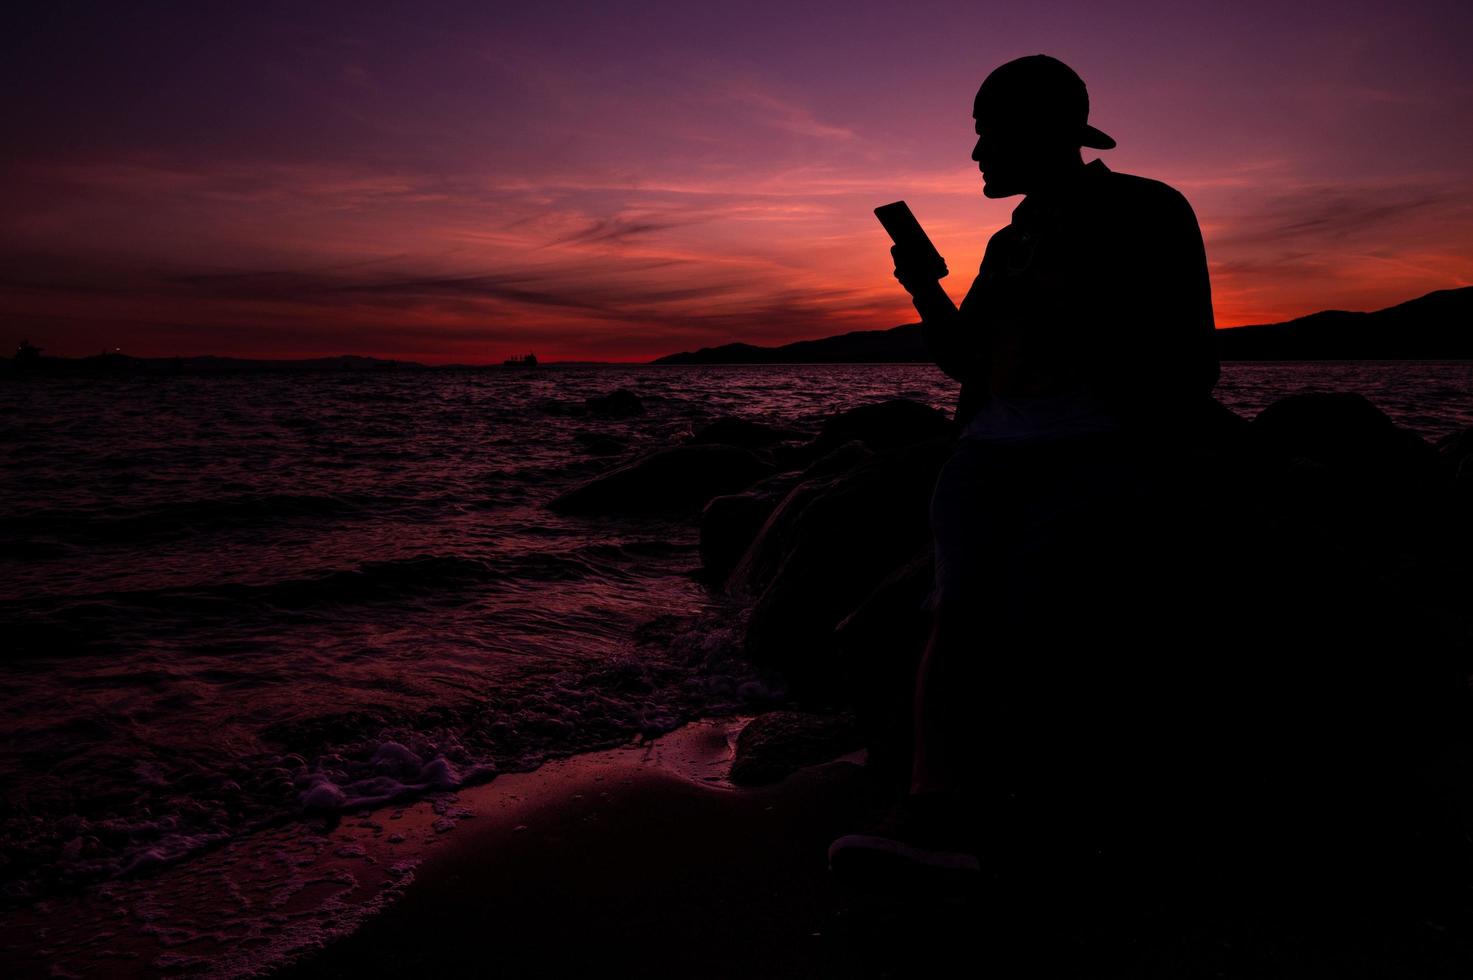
{"points": [[27, 353], [525, 360]]}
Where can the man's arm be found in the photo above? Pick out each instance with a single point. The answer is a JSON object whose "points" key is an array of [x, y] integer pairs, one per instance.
{"points": [[1162, 349], [1188, 329], [950, 342], [942, 329], [1206, 369]]}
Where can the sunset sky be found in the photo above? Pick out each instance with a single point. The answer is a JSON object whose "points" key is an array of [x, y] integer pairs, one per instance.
{"points": [[462, 181]]}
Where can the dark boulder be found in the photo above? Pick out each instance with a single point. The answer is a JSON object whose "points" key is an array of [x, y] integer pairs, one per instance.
{"points": [[620, 403], [835, 463], [843, 457], [729, 523], [1456, 447], [828, 545], [745, 433], [793, 491], [769, 549], [1346, 433], [673, 480], [1366, 487], [879, 646], [774, 745], [882, 426]]}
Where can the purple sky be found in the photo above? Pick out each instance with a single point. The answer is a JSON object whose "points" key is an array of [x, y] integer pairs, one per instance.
{"points": [[464, 181]]}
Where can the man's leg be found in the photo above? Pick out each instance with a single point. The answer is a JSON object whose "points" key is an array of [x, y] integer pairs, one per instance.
{"points": [[1001, 685], [969, 519], [932, 771]]}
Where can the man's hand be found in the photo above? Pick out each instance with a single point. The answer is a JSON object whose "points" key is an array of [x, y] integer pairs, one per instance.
{"points": [[918, 274]]}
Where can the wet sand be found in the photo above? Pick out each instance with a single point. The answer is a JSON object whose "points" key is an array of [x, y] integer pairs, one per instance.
{"points": [[639, 861]]}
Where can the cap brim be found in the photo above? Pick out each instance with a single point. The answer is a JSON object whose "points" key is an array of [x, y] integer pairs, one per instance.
{"points": [[1095, 139]]}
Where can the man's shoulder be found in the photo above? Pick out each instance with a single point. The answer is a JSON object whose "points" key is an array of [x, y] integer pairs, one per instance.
{"points": [[1002, 236], [1143, 191]]}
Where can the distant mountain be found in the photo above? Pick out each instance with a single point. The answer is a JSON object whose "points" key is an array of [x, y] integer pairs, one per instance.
{"points": [[897, 345], [1438, 326], [1435, 327]]}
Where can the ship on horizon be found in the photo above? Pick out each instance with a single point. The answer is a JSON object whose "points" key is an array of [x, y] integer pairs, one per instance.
{"points": [[523, 360]]}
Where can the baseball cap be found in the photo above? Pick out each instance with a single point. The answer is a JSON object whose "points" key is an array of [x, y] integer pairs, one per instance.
{"points": [[1040, 91]]}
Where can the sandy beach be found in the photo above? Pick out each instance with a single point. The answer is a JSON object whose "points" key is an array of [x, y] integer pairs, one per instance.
{"points": [[639, 861], [636, 861]]}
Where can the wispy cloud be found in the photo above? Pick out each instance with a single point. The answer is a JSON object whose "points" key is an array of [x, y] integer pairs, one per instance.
{"points": [[770, 110], [612, 231], [1332, 212]]}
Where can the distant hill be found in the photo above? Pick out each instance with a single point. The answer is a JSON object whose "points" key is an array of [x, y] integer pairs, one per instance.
{"points": [[1435, 327], [897, 345], [1438, 326]]}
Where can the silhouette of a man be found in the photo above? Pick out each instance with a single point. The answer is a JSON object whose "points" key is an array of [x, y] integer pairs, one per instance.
{"points": [[1094, 298], [1084, 345]]}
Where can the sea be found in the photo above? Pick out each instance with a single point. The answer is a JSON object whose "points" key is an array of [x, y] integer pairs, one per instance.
{"points": [[231, 603]]}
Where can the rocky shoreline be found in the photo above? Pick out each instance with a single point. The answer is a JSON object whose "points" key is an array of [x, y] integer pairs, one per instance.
{"points": [[1274, 638]]}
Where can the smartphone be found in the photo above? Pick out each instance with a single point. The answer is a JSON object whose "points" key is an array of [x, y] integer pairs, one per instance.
{"points": [[907, 232]]}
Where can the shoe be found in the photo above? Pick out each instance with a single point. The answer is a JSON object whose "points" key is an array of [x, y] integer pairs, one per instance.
{"points": [[927, 835]]}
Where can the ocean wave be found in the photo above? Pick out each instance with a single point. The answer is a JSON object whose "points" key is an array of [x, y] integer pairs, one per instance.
{"points": [[100, 524], [162, 807], [64, 625]]}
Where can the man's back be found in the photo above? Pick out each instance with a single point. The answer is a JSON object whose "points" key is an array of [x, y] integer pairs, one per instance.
{"points": [[1099, 287]]}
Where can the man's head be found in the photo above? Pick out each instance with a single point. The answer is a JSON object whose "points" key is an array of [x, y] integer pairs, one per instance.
{"points": [[1032, 117]]}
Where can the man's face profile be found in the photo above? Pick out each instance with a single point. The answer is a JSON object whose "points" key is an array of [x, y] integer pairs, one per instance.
{"points": [[1002, 154], [1014, 152]]}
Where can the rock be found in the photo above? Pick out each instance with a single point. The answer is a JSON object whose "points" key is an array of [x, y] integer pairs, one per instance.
{"points": [[729, 524], [775, 540], [600, 444], [769, 549], [774, 745], [880, 645], [745, 433], [620, 403], [1456, 447], [842, 458], [1346, 433], [673, 480], [883, 425], [1361, 483], [825, 548]]}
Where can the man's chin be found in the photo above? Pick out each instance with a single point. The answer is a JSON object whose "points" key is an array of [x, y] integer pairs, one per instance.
{"points": [[994, 190]]}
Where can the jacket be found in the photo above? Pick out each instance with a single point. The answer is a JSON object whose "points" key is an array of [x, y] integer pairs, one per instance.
{"points": [[1099, 286]]}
